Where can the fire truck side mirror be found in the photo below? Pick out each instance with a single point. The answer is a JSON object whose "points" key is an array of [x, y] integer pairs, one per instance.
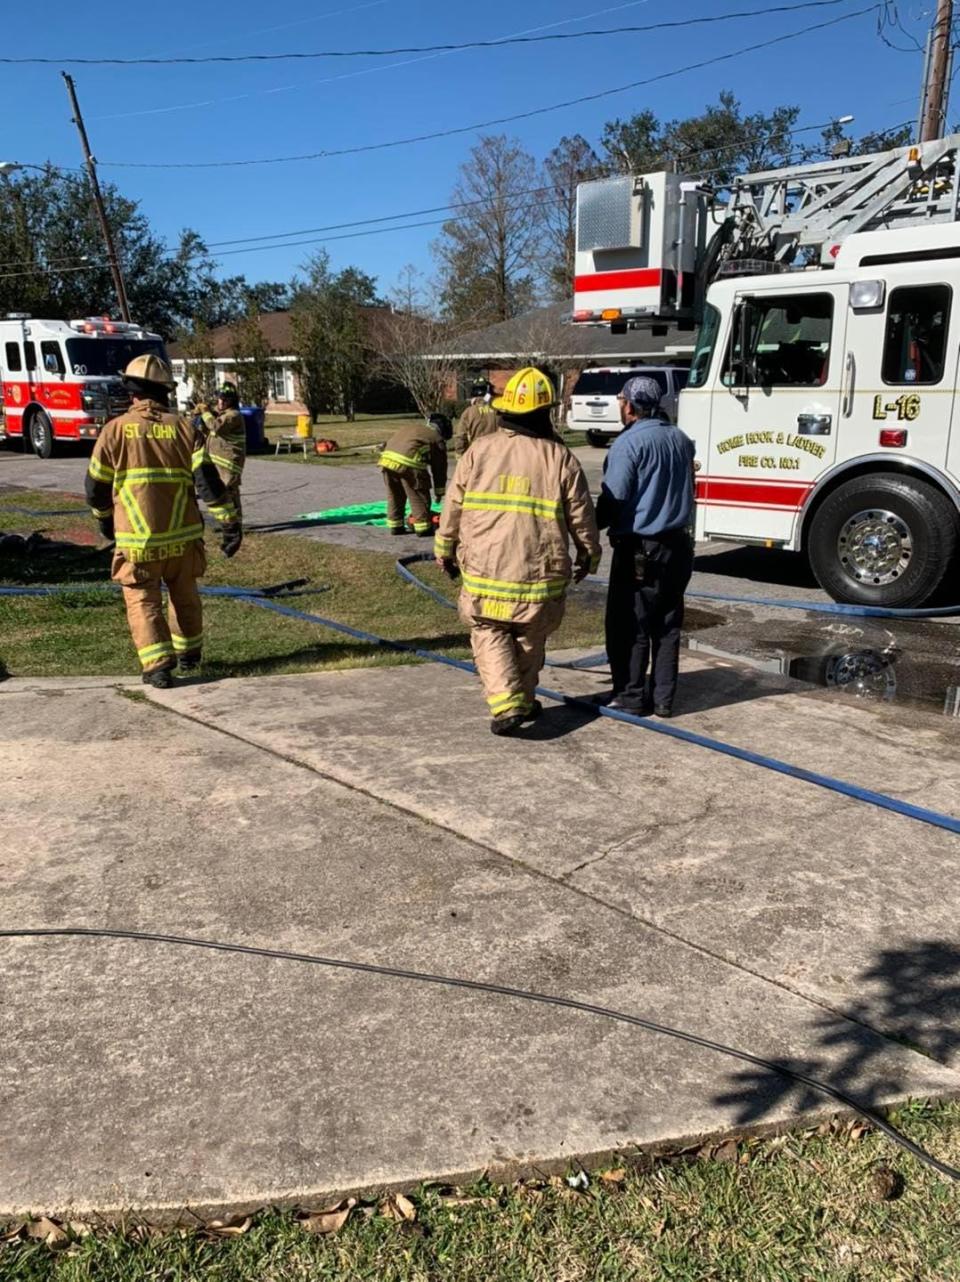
{"points": [[51, 364]]}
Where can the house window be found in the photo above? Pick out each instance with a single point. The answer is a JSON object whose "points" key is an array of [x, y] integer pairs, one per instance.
{"points": [[278, 383]]}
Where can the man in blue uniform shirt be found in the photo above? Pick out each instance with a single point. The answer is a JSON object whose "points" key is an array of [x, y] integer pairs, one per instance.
{"points": [[646, 502]]}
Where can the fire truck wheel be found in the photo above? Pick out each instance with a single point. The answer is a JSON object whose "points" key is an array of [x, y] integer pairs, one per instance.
{"points": [[884, 540], [41, 434]]}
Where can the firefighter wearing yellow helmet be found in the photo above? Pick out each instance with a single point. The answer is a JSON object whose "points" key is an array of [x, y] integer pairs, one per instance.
{"points": [[517, 498], [141, 486]]}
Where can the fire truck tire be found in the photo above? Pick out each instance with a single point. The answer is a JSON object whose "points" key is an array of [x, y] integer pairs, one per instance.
{"points": [[885, 540], [41, 434]]}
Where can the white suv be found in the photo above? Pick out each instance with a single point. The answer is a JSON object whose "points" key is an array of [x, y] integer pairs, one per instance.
{"points": [[593, 405]]}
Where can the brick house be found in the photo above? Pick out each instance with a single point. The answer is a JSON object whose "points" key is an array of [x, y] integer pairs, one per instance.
{"points": [[277, 329], [547, 337]]}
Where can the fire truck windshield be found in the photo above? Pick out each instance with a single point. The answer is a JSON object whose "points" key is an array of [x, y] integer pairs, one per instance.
{"points": [[100, 357]]}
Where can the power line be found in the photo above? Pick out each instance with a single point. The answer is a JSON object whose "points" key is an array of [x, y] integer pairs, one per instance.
{"points": [[501, 42], [499, 120]]}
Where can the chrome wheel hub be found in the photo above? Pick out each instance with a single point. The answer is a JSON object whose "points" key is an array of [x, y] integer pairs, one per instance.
{"points": [[875, 547]]}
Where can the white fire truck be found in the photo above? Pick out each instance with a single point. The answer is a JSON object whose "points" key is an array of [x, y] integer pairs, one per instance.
{"points": [[823, 388], [61, 380]]}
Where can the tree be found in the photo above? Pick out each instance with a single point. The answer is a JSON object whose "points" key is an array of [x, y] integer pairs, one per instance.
{"points": [[330, 335], [487, 254], [716, 145], [416, 350], [571, 162], [253, 357], [200, 371], [835, 137]]}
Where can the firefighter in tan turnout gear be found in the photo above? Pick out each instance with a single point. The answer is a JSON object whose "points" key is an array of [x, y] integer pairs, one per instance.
{"points": [[478, 419], [140, 486], [409, 459], [517, 497], [226, 440]]}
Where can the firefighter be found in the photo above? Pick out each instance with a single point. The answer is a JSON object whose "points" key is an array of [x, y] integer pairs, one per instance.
{"points": [[516, 497], [409, 459], [140, 486], [646, 501], [479, 418], [226, 440]]}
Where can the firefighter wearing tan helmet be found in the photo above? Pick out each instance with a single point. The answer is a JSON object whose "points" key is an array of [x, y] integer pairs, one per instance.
{"points": [[141, 487], [478, 419], [517, 497]]}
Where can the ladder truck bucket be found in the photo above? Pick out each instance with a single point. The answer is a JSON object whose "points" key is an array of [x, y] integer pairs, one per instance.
{"points": [[639, 241]]}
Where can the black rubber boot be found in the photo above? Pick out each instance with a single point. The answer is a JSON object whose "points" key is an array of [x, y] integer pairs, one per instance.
{"points": [[160, 678], [401, 530], [190, 662], [535, 710], [506, 725]]}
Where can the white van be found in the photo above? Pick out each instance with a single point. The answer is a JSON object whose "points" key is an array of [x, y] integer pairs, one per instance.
{"points": [[593, 405]]}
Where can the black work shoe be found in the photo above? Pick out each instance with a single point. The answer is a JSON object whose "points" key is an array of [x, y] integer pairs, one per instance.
{"points": [[535, 710], [637, 709], [662, 710], [425, 534], [160, 678], [506, 725], [401, 530], [189, 662]]}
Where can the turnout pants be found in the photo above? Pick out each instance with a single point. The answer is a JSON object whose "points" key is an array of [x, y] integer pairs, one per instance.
{"points": [[161, 640], [408, 487], [510, 653], [648, 577]]}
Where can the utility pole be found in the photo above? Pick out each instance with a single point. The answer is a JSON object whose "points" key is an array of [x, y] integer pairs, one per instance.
{"points": [[935, 83], [112, 259]]}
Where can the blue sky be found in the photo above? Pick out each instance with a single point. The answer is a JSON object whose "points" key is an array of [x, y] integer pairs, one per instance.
{"points": [[237, 112]]}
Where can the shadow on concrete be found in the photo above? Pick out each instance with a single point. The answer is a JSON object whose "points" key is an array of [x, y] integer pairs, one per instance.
{"points": [[760, 565], [557, 721], [715, 687], [908, 995]]}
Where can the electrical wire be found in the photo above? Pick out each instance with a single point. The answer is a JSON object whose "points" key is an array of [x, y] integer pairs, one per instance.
{"points": [[500, 42], [521, 994], [498, 120]]}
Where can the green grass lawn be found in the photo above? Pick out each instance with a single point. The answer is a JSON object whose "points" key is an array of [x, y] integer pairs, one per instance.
{"points": [[84, 633], [836, 1205]]}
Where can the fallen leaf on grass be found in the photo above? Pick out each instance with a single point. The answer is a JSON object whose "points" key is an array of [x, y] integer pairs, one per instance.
{"points": [[398, 1207], [331, 1220], [233, 1227], [727, 1152], [13, 1232], [613, 1177], [50, 1234]]}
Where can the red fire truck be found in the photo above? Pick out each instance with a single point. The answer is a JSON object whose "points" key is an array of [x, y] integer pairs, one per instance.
{"points": [[62, 380]]}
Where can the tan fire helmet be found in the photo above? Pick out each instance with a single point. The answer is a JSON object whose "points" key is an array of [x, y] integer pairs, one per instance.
{"points": [[150, 369]]}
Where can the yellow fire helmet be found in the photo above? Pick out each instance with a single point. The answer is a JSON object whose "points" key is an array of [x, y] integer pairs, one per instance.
{"points": [[150, 369], [528, 390]]}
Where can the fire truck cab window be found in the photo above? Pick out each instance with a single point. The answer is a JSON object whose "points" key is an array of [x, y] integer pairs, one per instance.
{"points": [[14, 361], [706, 341], [31, 354], [52, 357], [780, 342], [915, 342]]}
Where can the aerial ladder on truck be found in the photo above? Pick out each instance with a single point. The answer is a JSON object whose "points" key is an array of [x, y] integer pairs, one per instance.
{"points": [[822, 387]]}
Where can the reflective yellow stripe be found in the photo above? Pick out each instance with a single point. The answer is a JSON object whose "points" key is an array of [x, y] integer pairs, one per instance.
{"points": [[529, 504], [197, 458], [500, 703], [150, 653], [595, 562], [179, 508], [236, 468], [442, 546], [182, 644], [225, 513], [102, 513], [185, 534], [504, 590], [136, 518], [393, 461], [100, 471], [145, 475]]}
